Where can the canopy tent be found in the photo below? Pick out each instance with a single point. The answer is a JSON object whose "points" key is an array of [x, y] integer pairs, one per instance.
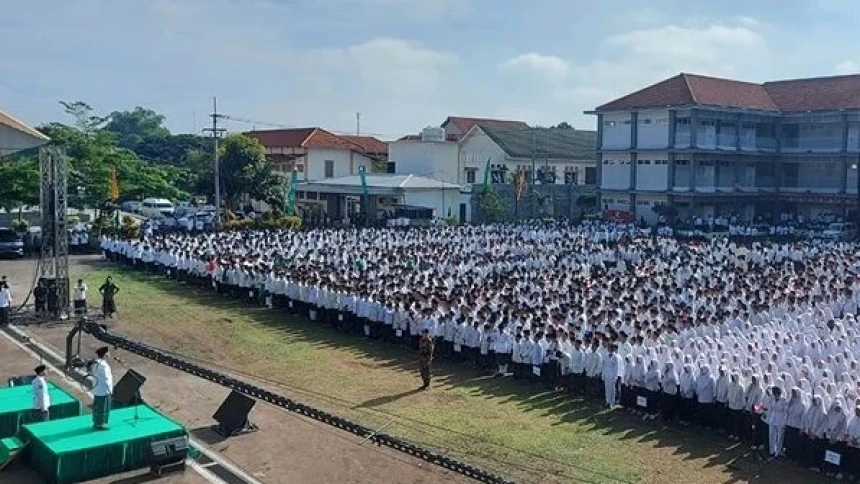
{"points": [[16, 136]]}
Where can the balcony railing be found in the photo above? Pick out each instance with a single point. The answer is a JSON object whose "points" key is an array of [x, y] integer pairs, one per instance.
{"points": [[821, 143]]}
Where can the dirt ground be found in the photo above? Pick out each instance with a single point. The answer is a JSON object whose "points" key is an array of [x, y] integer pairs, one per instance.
{"points": [[287, 448]]}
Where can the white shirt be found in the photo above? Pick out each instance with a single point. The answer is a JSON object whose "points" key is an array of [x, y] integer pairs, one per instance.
{"points": [[81, 292], [5, 298], [41, 398], [104, 379]]}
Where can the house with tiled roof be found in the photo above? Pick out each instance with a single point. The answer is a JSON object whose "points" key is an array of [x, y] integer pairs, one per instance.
{"points": [[714, 147], [320, 154], [457, 126], [16, 136], [546, 155]]}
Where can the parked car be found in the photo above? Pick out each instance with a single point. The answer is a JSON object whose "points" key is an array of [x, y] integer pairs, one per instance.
{"points": [[132, 206], [11, 243], [840, 231], [156, 208]]}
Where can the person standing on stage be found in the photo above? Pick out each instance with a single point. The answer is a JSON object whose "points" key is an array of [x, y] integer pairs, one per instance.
{"points": [[5, 302], [41, 398], [425, 354], [80, 297], [109, 290], [102, 391]]}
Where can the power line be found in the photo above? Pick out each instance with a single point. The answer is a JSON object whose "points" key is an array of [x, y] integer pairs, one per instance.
{"points": [[256, 122]]}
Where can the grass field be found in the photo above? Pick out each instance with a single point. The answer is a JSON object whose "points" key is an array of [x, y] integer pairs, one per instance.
{"points": [[523, 432]]}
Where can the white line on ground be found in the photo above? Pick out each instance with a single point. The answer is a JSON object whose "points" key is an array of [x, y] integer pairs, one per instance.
{"points": [[198, 445]]}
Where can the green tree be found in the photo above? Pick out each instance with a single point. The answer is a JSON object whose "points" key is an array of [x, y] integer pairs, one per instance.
{"points": [[19, 184], [134, 128], [563, 125], [93, 153], [492, 205], [245, 170]]}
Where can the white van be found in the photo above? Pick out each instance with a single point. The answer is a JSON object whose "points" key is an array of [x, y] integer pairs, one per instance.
{"points": [[156, 208]]}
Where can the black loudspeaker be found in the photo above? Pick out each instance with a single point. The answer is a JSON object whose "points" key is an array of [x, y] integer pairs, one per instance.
{"points": [[232, 415], [127, 391], [167, 456]]}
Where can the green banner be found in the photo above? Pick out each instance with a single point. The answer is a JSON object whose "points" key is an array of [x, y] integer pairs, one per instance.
{"points": [[487, 175], [292, 188], [365, 195]]}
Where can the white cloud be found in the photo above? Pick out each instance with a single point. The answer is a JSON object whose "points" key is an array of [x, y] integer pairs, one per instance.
{"points": [[386, 63], [548, 67], [633, 59], [848, 67]]}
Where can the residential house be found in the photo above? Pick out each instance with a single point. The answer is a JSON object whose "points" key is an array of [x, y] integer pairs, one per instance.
{"points": [[320, 154], [546, 155]]}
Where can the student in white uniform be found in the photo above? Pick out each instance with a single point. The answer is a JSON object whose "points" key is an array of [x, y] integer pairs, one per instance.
{"points": [[777, 417], [80, 297], [102, 391], [41, 397]]}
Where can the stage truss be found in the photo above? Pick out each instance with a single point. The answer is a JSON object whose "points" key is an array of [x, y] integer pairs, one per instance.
{"points": [[54, 263]]}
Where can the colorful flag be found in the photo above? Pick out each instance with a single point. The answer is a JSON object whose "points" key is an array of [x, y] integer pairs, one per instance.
{"points": [[114, 185], [521, 184], [292, 189]]}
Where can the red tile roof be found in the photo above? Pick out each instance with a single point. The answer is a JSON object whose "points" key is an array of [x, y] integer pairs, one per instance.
{"points": [[318, 138], [465, 124], [822, 93], [282, 138], [369, 144]]}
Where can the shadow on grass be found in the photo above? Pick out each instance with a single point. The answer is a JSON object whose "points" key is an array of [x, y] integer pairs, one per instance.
{"points": [[688, 443]]}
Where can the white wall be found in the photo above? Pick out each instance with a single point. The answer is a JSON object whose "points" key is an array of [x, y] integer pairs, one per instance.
{"points": [[616, 131], [12, 140], [652, 129], [346, 163], [652, 171], [645, 208], [430, 159], [440, 200], [615, 171], [474, 152]]}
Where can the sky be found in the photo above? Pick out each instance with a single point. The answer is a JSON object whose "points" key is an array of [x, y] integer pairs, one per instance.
{"points": [[403, 64]]}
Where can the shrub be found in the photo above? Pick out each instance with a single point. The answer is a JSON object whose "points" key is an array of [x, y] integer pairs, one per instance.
{"points": [[234, 224], [451, 221], [130, 228], [291, 222], [20, 225]]}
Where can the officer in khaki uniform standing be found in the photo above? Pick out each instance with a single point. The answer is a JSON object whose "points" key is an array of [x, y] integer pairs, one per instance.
{"points": [[425, 355]]}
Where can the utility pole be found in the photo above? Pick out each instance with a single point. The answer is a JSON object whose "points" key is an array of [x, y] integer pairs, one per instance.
{"points": [[357, 124], [216, 133]]}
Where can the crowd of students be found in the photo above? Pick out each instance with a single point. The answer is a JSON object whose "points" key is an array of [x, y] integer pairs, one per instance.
{"points": [[756, 341]]}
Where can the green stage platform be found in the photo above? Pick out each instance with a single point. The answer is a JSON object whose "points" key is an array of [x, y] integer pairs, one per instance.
{"points": [[70, 450], [16, 407]]}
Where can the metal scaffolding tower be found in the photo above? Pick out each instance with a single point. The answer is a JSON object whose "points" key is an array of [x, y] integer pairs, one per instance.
{"points": [[54, 263]]}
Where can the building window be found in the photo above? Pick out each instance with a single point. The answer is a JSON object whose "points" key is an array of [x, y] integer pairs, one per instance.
{"points": [[682, 121], [391, 167], [645, 121], [590, 175], [571, 178], [609, 123], [470, 175], [661, 120], [329, 168]]}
